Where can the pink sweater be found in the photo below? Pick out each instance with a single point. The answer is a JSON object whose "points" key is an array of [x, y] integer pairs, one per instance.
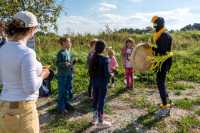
{"points": [[112, 64]]}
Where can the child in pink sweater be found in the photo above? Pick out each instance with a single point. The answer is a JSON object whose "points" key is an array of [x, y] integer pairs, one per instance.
{"points": [[129, 71], [112, 65]]}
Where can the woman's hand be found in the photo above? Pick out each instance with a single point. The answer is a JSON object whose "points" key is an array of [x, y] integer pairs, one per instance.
{"points": [[45, 73], [67, 64]]}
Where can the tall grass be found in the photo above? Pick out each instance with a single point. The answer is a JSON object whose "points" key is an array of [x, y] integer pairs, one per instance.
{"points": [[185, 65]]}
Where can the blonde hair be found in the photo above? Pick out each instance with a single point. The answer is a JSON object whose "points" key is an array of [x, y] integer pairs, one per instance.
{"points": [[111, 52], [93, 42], [132, 41]]}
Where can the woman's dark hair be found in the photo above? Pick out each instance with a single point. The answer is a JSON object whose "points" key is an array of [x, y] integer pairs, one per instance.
{"points": [[16, 27], [99, 48]]}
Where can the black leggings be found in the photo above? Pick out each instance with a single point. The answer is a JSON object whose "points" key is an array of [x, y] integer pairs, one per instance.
{"points": [[112, 79], [90, 87], [99, 95], [160, 79]]}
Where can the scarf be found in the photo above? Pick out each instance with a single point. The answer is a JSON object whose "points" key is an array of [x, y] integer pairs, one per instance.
{"points": [[156, 35]]}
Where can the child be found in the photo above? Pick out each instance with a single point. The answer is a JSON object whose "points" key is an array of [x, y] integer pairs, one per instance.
{"points": [[126, 53], [100, 78], [2, 34], [64, 64], [113, 65], [89, 58]]}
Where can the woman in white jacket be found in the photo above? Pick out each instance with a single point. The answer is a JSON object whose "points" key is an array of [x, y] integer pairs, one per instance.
{"points": [[21, 76]]}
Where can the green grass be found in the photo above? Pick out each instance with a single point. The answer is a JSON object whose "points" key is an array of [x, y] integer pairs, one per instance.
{"points": [[197, 112], [177, 93], [148, 120], [183, 103], [140, 102], [186, 103], [186, 123], [108, 110], [62, 125], [196, 101], [185, 68], [182, 86]]}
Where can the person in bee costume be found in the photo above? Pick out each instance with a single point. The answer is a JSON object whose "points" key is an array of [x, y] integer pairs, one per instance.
{"points": [[163, 41]]}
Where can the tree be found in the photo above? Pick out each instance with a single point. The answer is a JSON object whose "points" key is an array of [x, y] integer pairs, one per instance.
{"points": [[195, 26], [108, 29], [149, 29], [47, 11]]}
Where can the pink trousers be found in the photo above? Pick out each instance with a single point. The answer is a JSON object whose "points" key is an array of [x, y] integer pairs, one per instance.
{"points": [[129, 77]]}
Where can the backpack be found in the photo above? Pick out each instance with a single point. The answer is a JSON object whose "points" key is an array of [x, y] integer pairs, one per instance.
{"points": [[2, 42], [45, 89]]}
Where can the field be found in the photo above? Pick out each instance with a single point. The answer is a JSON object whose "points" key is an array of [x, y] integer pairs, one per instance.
{"points": [[129, 111]]}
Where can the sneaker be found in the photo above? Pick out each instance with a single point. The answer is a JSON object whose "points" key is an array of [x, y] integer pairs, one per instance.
{"points": [[113, 85], [135, 77], [162, 113], [125, 82], [130, 88], [109, 85], [71, 96], [165, 106], [91, 98], [104, 124], [69, 107], [94, 118], [65, 112]]}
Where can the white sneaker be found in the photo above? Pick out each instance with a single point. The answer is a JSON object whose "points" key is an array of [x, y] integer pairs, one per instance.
{"points": [[105, 124], [94, 118], [125, 82], [113, 85]]}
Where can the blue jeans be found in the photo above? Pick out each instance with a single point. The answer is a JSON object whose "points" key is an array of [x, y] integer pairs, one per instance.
{"points": [[99, 95], [64, 91]]}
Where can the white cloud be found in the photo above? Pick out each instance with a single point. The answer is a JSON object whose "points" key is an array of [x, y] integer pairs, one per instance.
{"points": [[77, 24], [106, 7], [175, 19], [135, 1]]}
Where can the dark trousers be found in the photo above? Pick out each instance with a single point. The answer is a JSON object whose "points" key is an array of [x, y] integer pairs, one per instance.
{"points": [[160, 79], [90, 87], [99, 95], [64, 91], [112, 79]]}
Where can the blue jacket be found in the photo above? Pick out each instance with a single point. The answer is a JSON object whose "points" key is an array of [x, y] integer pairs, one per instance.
{"points": [[62, 57]]}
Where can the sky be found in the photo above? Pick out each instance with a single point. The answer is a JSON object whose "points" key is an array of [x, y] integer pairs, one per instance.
{"points": [[91, 16]]}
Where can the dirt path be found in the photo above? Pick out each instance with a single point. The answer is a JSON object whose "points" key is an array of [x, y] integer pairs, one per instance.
{"points": [[124, 116], [43, 105]]}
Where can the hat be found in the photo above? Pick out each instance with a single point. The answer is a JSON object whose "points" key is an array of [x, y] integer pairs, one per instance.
{"points": [[154, 18], [28, 18]]}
